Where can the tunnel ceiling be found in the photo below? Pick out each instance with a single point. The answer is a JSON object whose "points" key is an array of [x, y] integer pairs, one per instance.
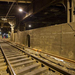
{"points": [[48, 15], [12, 14], [53, 13], [36, 12]]}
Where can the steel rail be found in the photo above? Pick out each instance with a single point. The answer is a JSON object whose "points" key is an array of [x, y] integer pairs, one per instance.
{"points": [[48, 64], [60, 70], [66, 59], [9, 65]]}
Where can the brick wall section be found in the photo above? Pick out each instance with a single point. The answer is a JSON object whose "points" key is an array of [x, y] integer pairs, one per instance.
{"points": [[57, 39]]}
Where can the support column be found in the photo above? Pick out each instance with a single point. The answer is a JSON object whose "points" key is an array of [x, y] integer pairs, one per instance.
{"points": [[70, 10], [12, 32]]}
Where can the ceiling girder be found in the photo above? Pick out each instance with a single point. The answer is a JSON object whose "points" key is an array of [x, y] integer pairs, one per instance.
{"points": [[1, 21], [7, 16], [15, 1], [5, 26]]}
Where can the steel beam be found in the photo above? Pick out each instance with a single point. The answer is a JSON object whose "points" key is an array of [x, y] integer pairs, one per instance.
{"points": [[5, 27], [70, 9], [1, 21], [45, 4], [12, 32], [15, 1]]}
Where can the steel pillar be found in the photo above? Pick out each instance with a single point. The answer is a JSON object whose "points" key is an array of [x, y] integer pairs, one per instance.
{"points": [[12, 32], [70, 10]]}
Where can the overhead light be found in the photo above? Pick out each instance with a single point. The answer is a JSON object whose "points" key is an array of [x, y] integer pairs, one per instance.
{"points": [[29, 26], [20, 9]]}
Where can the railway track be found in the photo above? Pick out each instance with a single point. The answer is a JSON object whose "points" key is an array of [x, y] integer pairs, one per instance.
{"points": [[21, 62], [3, 65]]}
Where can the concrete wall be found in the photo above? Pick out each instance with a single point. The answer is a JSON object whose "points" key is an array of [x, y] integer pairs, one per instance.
{"points": [[57, 39]]}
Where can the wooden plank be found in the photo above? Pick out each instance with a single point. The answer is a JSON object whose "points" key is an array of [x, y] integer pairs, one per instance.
{"points": [[16, 57], [37, 71], [20, 60], [2, 64], [23, 63], [3, 67], [26, 69], [11, 55]]}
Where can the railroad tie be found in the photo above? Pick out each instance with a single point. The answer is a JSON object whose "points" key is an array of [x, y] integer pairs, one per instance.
{"points": [[27, 69], [37, 71], [23, 63]]}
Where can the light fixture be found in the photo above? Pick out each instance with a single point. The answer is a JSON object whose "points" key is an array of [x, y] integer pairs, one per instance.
{"points": [[20, 9], [29, 26]]}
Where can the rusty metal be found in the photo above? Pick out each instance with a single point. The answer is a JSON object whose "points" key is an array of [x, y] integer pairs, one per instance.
{"points": [[38, 71]]}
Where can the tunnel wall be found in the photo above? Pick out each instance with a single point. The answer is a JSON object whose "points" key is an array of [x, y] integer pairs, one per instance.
{"points": [[56, 39]]}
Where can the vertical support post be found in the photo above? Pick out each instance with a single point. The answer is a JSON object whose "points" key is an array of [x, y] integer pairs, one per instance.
{"points": [[12, 32], [68, 12], [70, 9]]}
